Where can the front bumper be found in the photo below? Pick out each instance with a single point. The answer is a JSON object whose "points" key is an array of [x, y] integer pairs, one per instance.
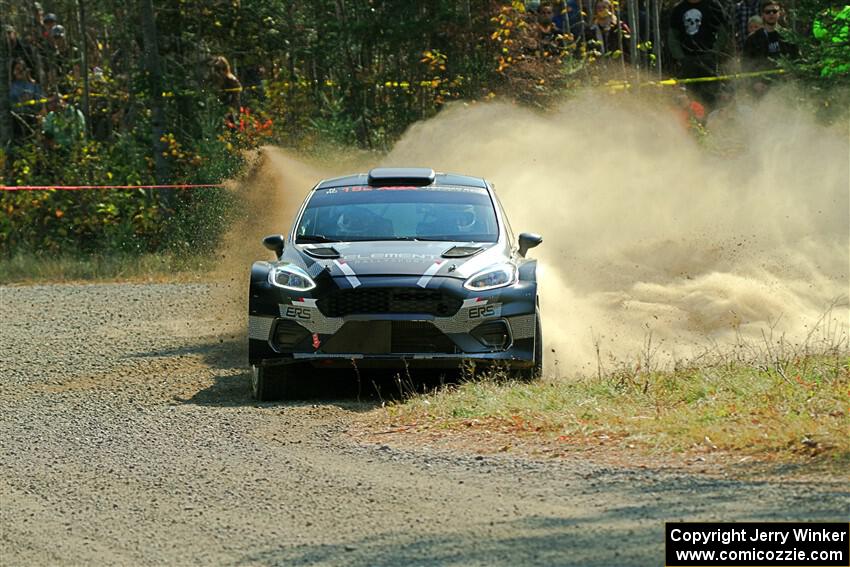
{"points": [[495, 326]]}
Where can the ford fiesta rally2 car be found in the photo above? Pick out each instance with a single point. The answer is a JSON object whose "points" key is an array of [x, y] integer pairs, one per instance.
{"points": [[400, 266]]}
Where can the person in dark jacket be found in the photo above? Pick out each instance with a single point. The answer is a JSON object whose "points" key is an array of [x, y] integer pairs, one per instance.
{"points": [[229, 87], [26, 98], [547, 32], [607, 35], [697, 38], [745, 11], [769, 43], [765, 46], [16, 47]]}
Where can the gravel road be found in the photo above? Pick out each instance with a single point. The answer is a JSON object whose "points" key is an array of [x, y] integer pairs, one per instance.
{"points": [[128, 437]]}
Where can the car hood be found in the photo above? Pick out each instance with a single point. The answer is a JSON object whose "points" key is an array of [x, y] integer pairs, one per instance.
{"points": [[402, 258]]}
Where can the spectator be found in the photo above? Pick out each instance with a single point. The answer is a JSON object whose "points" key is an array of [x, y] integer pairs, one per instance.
{"points": [[17, 49], [47, 24], [559, 16], [254, 84], [35, 25], [745, 10], [547, 33], [23, 88], [64, 123], [61, 60], [754, 24], [697, 32], [35, 40], [575, 19], [607, 34], [37, 22], [532, 6], [229, 87], [26, 98], [769, 43]]}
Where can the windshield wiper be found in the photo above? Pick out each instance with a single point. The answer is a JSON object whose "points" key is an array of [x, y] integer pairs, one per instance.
{"points": [[314, 238], [400, 238], [381, 238]]}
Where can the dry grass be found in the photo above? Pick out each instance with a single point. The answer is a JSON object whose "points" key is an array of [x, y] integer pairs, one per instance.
{"points": [[31, 269], [771, 399]]}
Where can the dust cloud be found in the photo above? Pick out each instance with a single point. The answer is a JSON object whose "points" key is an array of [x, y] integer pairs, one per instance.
{"points": [[275, 184], [273, 189], [648, 232]]}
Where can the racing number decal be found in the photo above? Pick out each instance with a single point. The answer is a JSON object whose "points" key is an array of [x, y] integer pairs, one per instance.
{"points": [[294, 312]]}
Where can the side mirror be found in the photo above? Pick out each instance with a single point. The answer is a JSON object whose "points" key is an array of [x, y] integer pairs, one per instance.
{"points": [[274, 243], [528, 240]]}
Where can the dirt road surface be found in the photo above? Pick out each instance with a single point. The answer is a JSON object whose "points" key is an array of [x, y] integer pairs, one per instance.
{"points": [[128, 437]]}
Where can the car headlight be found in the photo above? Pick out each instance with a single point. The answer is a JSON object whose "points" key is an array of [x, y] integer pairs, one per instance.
{"points": [[291, 277], [491, 278]]}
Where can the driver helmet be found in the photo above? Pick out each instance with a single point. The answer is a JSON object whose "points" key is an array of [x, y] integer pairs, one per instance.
{"points": [[353, 222], [462, 217]]}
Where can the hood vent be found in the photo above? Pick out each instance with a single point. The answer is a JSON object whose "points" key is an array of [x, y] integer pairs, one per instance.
{"points": [[324, 252], [461, 251]]}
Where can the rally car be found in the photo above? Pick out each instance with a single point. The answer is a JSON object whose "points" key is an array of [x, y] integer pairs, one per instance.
{"points": [[397, 267]]}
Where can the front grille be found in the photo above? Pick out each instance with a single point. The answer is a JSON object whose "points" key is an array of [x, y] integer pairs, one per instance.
{"points": [[419, 336], [389, 337], [376, 300]]}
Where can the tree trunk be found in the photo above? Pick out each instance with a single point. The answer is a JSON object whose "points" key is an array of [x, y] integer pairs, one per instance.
{"points": [[634, 37], [81, 7], [5, 116], [656, 40], [154, 72]]}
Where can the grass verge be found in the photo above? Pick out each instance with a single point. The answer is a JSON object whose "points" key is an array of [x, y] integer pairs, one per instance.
{"points": [[781, 402], [31, 269]]}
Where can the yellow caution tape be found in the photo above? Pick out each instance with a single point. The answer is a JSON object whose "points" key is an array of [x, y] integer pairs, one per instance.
{"points": [[624, 85], [35, 101], [435, 83]]}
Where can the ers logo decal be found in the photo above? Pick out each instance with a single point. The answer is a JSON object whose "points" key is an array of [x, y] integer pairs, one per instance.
{"points": [[483, 311], [294, 312]]}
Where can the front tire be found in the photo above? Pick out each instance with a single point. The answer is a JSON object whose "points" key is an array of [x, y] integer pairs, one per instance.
{"points": [[537, 369]]}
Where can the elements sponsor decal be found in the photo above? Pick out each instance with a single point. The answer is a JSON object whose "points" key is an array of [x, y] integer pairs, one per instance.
{"points": [[394, 257]]}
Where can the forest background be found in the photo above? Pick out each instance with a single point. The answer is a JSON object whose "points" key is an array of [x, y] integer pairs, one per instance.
{"points": [[329, 73]]}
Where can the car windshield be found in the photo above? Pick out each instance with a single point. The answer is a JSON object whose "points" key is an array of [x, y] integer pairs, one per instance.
{"points": [[458, 214]]}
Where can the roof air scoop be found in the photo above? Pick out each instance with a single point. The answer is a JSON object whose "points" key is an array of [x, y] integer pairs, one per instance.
{"points": [[416, 176], [462, 251]]}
